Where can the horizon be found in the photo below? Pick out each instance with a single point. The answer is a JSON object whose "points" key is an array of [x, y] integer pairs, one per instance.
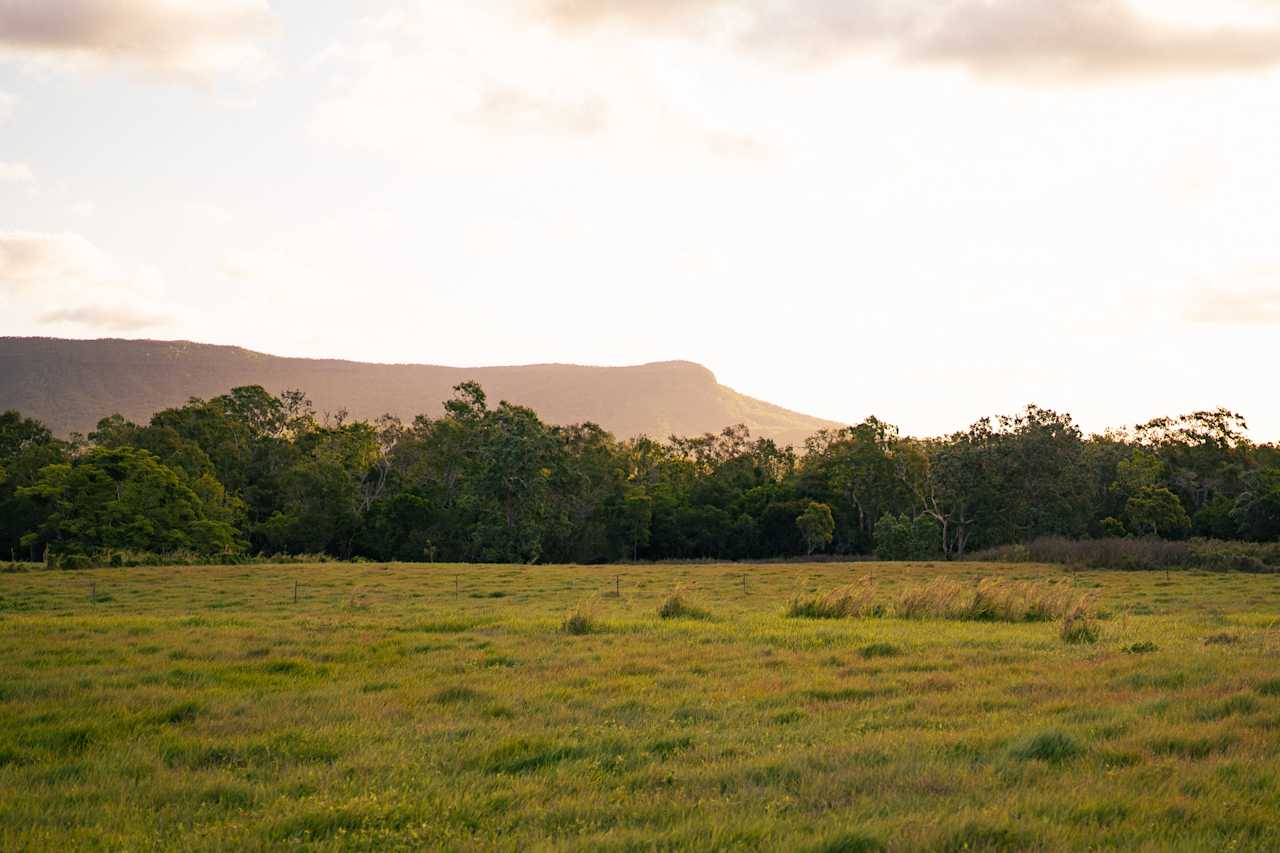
{"points": [[928, 212]]}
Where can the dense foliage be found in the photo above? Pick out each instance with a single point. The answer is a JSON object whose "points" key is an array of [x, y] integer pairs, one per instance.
{"points": [[249, 473]]}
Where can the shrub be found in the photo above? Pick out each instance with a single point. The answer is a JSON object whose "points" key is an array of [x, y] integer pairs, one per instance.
{"points": [[1131, 554]]}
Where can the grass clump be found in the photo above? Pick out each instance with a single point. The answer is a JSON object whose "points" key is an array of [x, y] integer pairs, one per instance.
{"points": [[578, 623], [1221, 640], [1079, 628], [850, 842], [1146, 647], [678, 606], [880, 650], [976, 836], [854, 600], [992, 599], [581, 620], [524, 755], [1052, 747]]}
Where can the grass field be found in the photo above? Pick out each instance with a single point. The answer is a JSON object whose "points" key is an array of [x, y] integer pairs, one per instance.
{"points": [[445, 707]]}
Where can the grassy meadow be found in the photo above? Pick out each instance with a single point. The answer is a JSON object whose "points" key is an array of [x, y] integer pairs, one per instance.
{"points": [[446, 707]]}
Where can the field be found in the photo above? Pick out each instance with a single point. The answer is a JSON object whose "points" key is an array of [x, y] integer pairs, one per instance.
{"points": [[445, 707]]}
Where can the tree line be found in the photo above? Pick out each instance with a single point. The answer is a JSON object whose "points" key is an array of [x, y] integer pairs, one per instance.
{"points": [[249, 473]]}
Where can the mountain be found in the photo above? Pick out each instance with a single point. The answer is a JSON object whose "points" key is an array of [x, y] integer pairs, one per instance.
{"points": [[71, 384]]}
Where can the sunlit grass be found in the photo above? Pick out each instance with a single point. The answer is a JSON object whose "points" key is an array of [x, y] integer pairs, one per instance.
{"points": [[451, 706]]}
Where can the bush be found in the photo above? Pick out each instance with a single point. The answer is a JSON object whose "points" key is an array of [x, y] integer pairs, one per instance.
{"points": [[1130, 554]]}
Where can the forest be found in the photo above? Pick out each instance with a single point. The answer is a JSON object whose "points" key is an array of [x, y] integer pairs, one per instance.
{"points": [[248, 474]]}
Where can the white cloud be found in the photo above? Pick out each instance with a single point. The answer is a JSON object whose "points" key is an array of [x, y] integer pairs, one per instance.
{"points": [[196, 37], [114, 318], [7, 105], [484, 87], [1058, 38], [65, 279], [1254, 300], [16, 173], [206, 213]]}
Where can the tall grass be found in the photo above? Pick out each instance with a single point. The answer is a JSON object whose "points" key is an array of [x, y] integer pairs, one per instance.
{"points": [[853, 600], [989, 600], [679, 606]]}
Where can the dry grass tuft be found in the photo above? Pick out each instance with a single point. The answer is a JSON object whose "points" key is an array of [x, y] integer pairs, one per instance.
{"points": [[991, 600], [854, 600], [582, 619], [1079, 627], [678, 606]]}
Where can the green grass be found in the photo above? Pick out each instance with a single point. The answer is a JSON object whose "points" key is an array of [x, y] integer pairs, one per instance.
{"points": [[200, 708]]}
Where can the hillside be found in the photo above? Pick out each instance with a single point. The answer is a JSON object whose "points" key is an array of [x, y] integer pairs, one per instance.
{"points": [[70, 384]]}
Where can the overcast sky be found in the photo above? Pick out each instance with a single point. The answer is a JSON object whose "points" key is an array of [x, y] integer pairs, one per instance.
{"points": [[930, 211]]}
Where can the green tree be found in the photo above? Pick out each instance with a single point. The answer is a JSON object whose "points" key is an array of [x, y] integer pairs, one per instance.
{"points": [[1257, 510], [1157, 511], [816, 526], [122, 498], [636, 519], [26, 448]]}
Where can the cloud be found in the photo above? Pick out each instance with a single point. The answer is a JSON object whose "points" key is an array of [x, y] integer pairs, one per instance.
{"points": [[114, 319], [197, 37], [1055, 38], [424, 78], [1256, 307], [63, 278], [1082, 38], [15, 173], [7, 104]]}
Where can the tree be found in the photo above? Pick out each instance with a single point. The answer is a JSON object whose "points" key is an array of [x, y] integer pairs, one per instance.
{"points": [[636, 518], [122, 498], [855, 469], [1257, 510], [901, 537], [816, 525], [1157, 511], [26, 448]]}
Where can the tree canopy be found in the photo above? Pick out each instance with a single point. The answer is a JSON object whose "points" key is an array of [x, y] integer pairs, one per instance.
{"points": [[252, 473]]}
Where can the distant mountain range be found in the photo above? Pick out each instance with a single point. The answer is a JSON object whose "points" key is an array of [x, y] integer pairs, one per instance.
{"points": [[71, 384]]}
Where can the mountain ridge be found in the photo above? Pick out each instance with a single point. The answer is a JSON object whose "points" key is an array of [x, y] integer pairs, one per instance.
{"points": [[70, 384]]}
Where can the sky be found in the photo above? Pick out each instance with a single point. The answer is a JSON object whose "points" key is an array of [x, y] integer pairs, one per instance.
{"points": [[927, 210]]}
